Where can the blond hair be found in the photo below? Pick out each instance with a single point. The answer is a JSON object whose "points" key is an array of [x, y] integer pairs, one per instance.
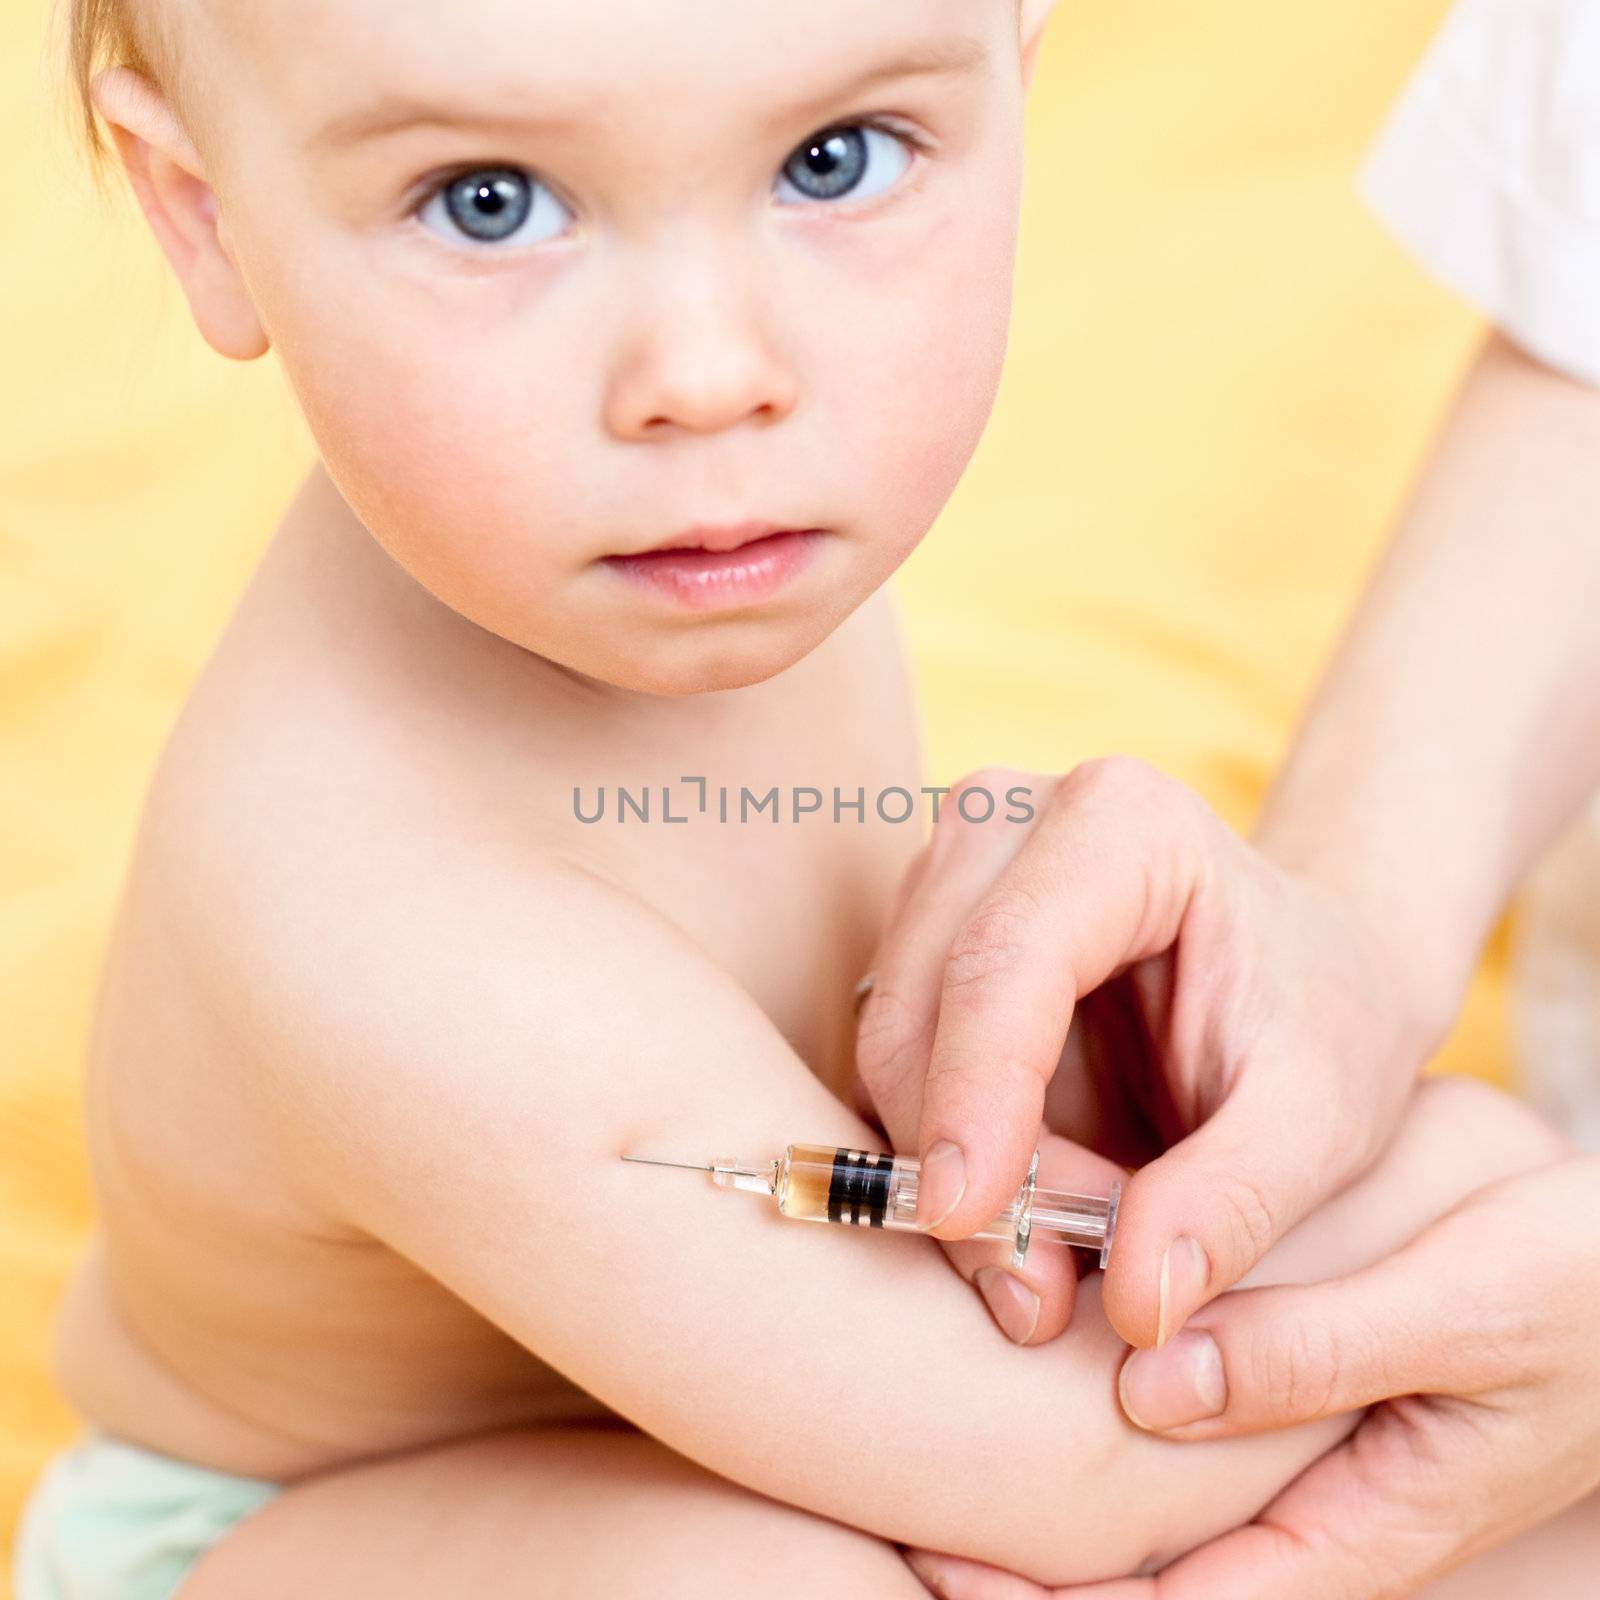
{"points": [[107, 33]]}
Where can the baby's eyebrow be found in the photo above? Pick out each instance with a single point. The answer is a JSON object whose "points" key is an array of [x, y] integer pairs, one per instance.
{"points": [[393, 113]]}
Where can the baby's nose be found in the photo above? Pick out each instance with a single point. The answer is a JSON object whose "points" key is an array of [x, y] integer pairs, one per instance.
{"points": [[700, 363]]}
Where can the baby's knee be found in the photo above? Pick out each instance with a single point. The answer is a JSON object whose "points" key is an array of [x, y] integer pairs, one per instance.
{"points": [[1456, 1136], [1479, 1130]]}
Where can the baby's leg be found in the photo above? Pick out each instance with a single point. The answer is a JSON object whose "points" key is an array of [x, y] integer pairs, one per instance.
{"points": [[537, 1514], [1457, 1136]]}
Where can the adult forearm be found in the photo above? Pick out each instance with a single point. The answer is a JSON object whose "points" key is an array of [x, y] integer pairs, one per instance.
{"points": [[1458, 726]]}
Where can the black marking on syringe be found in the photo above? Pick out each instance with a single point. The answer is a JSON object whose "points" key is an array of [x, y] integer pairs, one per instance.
{"points": [[858, 1188]]}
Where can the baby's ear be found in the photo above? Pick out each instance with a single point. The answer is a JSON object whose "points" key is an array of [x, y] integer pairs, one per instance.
{"points": [[168, 177], [1035, 13]]}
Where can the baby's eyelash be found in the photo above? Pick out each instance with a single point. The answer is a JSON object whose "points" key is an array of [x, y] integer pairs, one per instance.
{"points": [[437, 183], [898, 130], [427, 188]]}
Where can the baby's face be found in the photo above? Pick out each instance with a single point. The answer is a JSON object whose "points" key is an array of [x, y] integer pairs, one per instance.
{"points": [[560, 281]]}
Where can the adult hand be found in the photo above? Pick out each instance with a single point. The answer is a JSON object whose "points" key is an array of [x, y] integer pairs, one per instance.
{"points": [[1476, 1348], [1249, 1018]]}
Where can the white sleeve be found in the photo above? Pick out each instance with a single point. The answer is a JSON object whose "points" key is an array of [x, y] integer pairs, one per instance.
{"points": [[1488, 171]]}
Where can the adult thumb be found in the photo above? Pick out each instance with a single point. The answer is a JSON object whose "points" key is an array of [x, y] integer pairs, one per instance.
{"points": [[1198, 1218], [1259, 1359]]}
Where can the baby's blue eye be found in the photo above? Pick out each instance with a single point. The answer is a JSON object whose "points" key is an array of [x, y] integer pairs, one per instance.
{"points": [[492, 206], [856, 161]]}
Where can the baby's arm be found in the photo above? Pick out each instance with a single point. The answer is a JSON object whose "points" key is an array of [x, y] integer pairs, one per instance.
{"points": [[462, 1087]]}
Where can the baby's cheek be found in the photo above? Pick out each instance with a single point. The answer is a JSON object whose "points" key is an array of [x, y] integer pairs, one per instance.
{"points": [[445, 465], [937, 387]]}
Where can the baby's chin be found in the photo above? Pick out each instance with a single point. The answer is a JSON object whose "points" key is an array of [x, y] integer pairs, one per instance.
{"points": [[704, 663], [702, 656]]}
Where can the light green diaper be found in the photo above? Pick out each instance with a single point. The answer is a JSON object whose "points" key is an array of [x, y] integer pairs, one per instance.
{"points": [[109, 1520]]}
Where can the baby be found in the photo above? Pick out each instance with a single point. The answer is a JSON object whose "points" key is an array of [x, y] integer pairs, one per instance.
{"points": [[640, 343]]}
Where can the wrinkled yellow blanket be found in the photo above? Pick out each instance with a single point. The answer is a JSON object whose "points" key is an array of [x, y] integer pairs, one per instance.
{"points": [[1223, 377]]}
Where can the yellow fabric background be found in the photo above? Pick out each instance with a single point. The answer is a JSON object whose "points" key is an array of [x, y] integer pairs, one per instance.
{"points": [[1223, 379]]}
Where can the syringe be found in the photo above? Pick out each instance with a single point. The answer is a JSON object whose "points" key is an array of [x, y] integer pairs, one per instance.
{"points": [[870, 1189]]}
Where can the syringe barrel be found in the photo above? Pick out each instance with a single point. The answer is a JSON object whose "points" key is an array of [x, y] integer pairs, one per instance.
{"points": [[866, 1188], [873, 1189]]}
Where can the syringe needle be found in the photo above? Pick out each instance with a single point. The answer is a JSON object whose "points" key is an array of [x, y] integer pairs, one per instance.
{"points": [[697, 1166]]}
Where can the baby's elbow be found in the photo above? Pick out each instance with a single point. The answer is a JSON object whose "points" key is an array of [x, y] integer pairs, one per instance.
{"points": [[1119, 1527], [1084, 1516], [1069, 1492], [1124, 1504], [1117, 1524]]}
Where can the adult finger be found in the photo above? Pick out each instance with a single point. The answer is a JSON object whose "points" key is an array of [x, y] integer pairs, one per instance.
{"points": [[895, 1027], [1198, 1218], [1034, 1302], [1104, 880], [861, 1095]]}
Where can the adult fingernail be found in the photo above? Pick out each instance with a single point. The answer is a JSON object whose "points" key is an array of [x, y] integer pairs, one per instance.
{"points": [[1014, 1304], [940, 1183], [1182, 1382], [1185, 1272]]}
